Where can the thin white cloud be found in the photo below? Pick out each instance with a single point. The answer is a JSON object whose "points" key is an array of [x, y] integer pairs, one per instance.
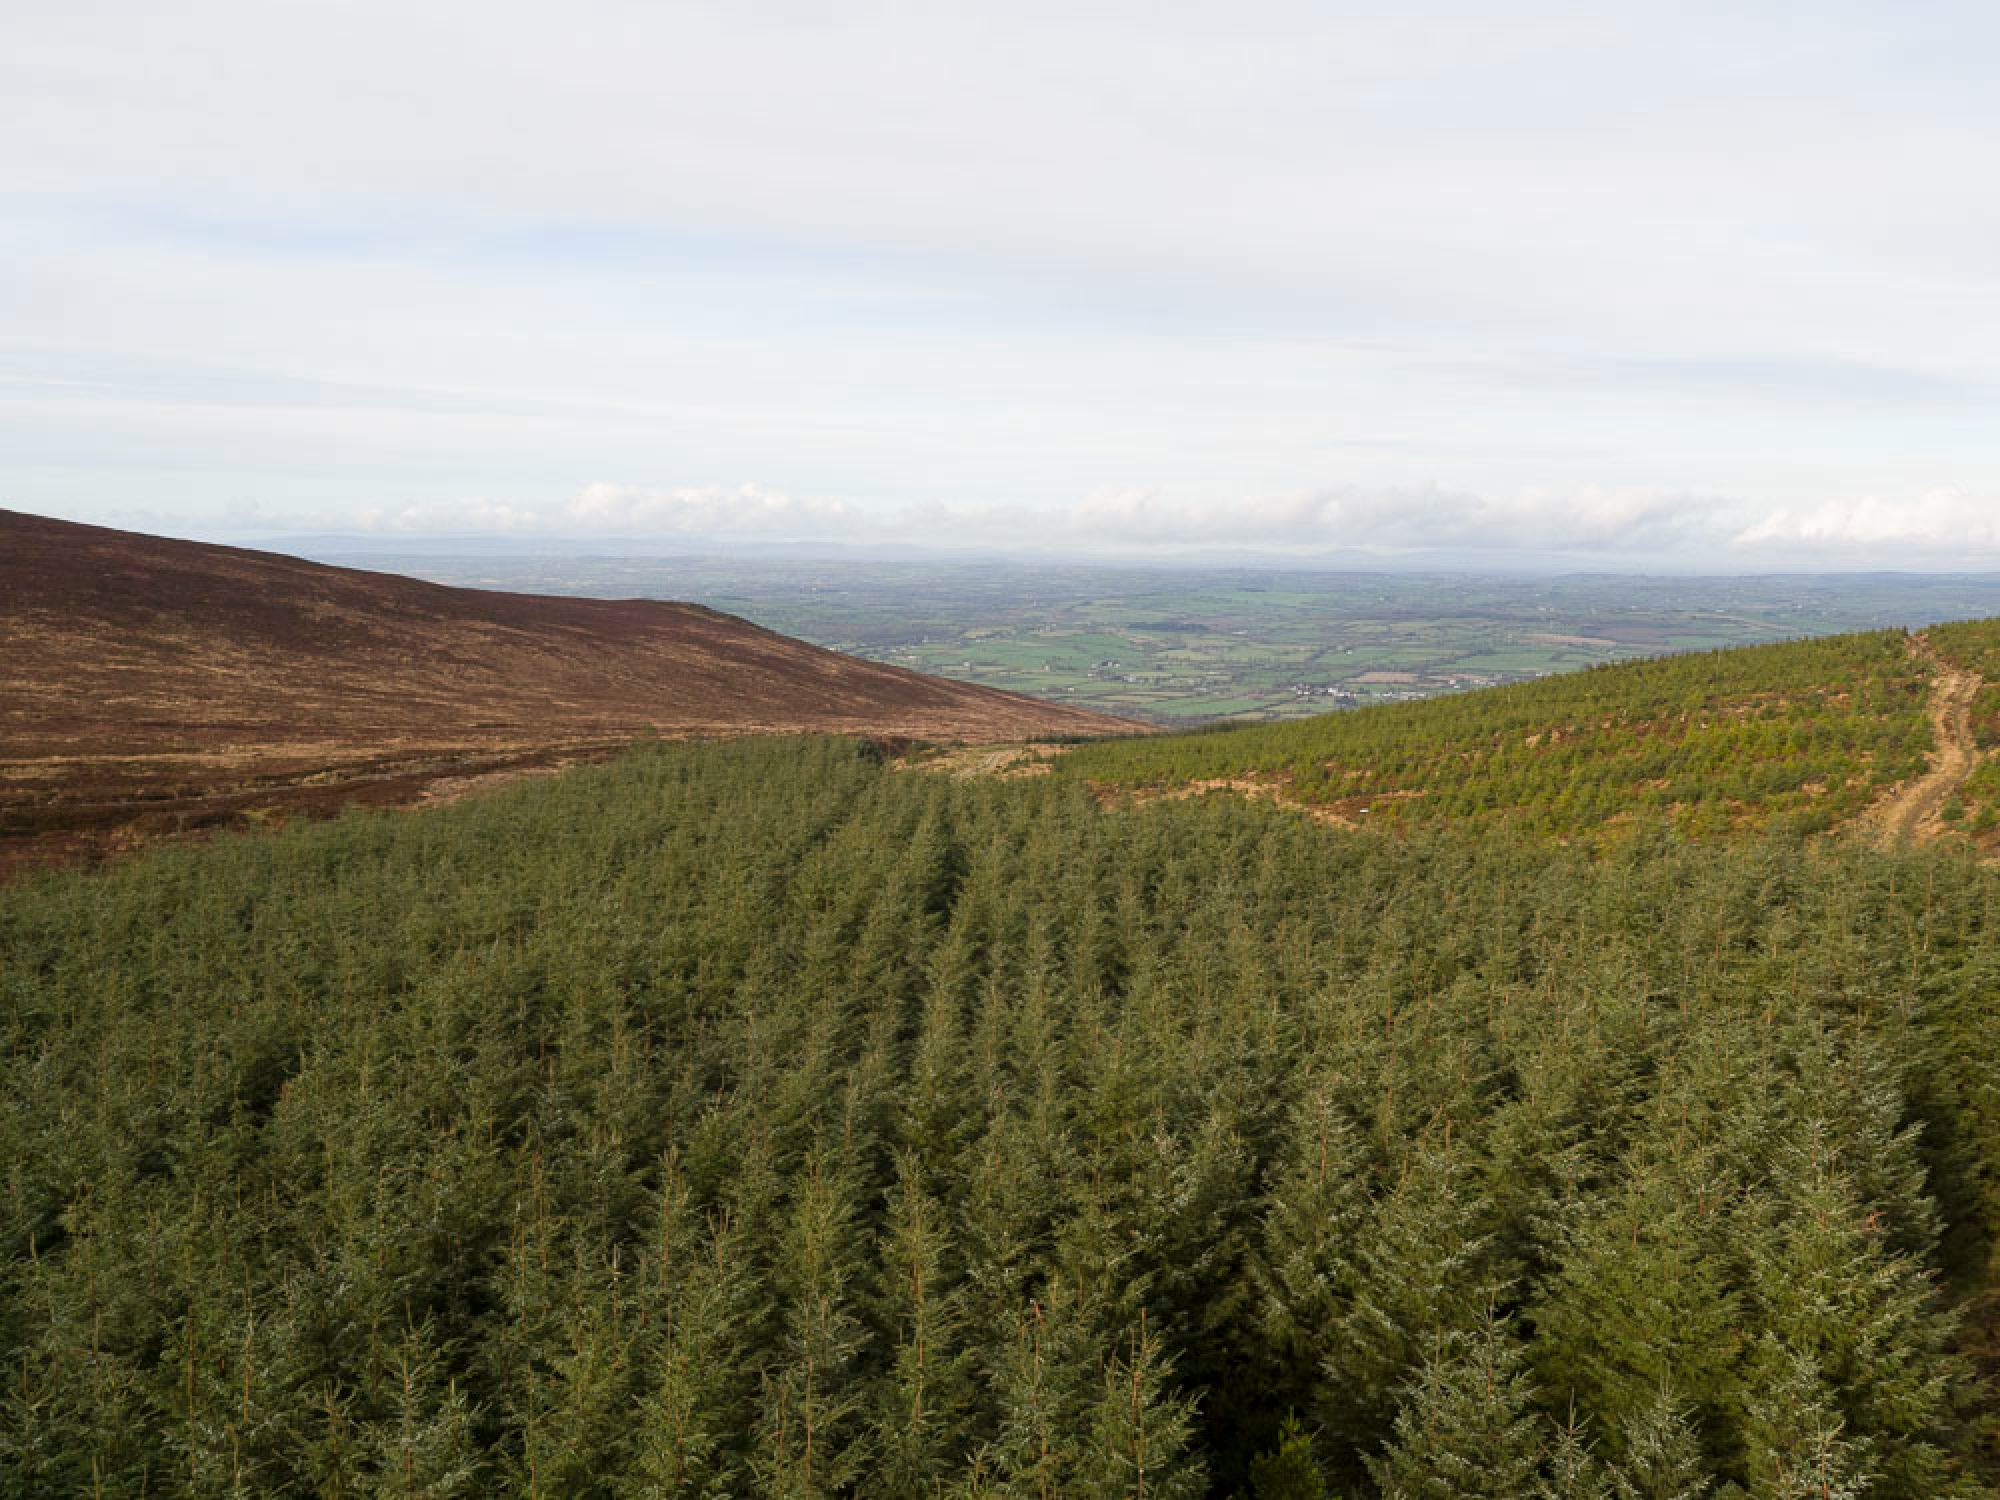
{"points": [[432, 518], [1136, 521], [745, 511], [1287, 275], [1402, 519], [1590, 525], [1943, 521]]}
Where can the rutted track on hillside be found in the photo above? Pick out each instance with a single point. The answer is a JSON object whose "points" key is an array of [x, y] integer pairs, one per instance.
{"points": [[1912, 814]]}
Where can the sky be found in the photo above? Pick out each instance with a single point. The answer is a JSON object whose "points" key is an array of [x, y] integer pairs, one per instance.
{"points": [[1690, 285]]}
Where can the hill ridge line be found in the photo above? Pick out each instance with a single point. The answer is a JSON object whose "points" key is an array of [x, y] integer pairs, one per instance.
{"points": [[151, 686]]}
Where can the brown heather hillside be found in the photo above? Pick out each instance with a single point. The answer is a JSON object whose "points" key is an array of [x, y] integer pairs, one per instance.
{"points": [[149, 685]]}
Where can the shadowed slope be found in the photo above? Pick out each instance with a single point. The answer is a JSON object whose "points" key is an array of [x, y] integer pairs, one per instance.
{"points": [[150, 642], [139, 672]]}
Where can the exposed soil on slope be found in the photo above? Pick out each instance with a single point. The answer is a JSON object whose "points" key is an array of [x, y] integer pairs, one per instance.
{"points": [[1913, 813], [970, 762], [1272, 788], [149, 686]]}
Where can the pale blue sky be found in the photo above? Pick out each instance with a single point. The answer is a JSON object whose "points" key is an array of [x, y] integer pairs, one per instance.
{"points": [[1703, 284]]}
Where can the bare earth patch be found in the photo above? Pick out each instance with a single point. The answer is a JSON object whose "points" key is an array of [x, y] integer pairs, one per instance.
{"points": [[1005, 761], [1913, 813], [1275, 789]]}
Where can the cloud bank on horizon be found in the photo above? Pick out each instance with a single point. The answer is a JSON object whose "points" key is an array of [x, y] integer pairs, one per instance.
{"points": [[1943, 529], [1696, 283]]}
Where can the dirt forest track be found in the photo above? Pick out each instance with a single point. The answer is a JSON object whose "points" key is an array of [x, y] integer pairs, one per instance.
{"points": [[149, 686], [1913, 813]]}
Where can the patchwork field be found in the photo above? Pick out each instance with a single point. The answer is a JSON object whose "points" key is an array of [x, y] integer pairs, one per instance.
{"points": [[1181, 646]]}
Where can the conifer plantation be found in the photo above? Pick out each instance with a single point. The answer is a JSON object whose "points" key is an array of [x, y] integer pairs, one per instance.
{"points": [[1795, 737], [1435, 936], [760, 1119]]}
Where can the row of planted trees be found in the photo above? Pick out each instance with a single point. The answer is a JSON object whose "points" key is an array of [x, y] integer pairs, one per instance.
{"points": [[758, 1120], [1800, 734]]}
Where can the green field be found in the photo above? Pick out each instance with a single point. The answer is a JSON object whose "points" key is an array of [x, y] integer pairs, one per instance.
{"points": [[1183, 645]]}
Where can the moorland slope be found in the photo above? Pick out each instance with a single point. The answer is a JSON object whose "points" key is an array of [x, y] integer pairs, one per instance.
{"points": [[151, 682]]}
